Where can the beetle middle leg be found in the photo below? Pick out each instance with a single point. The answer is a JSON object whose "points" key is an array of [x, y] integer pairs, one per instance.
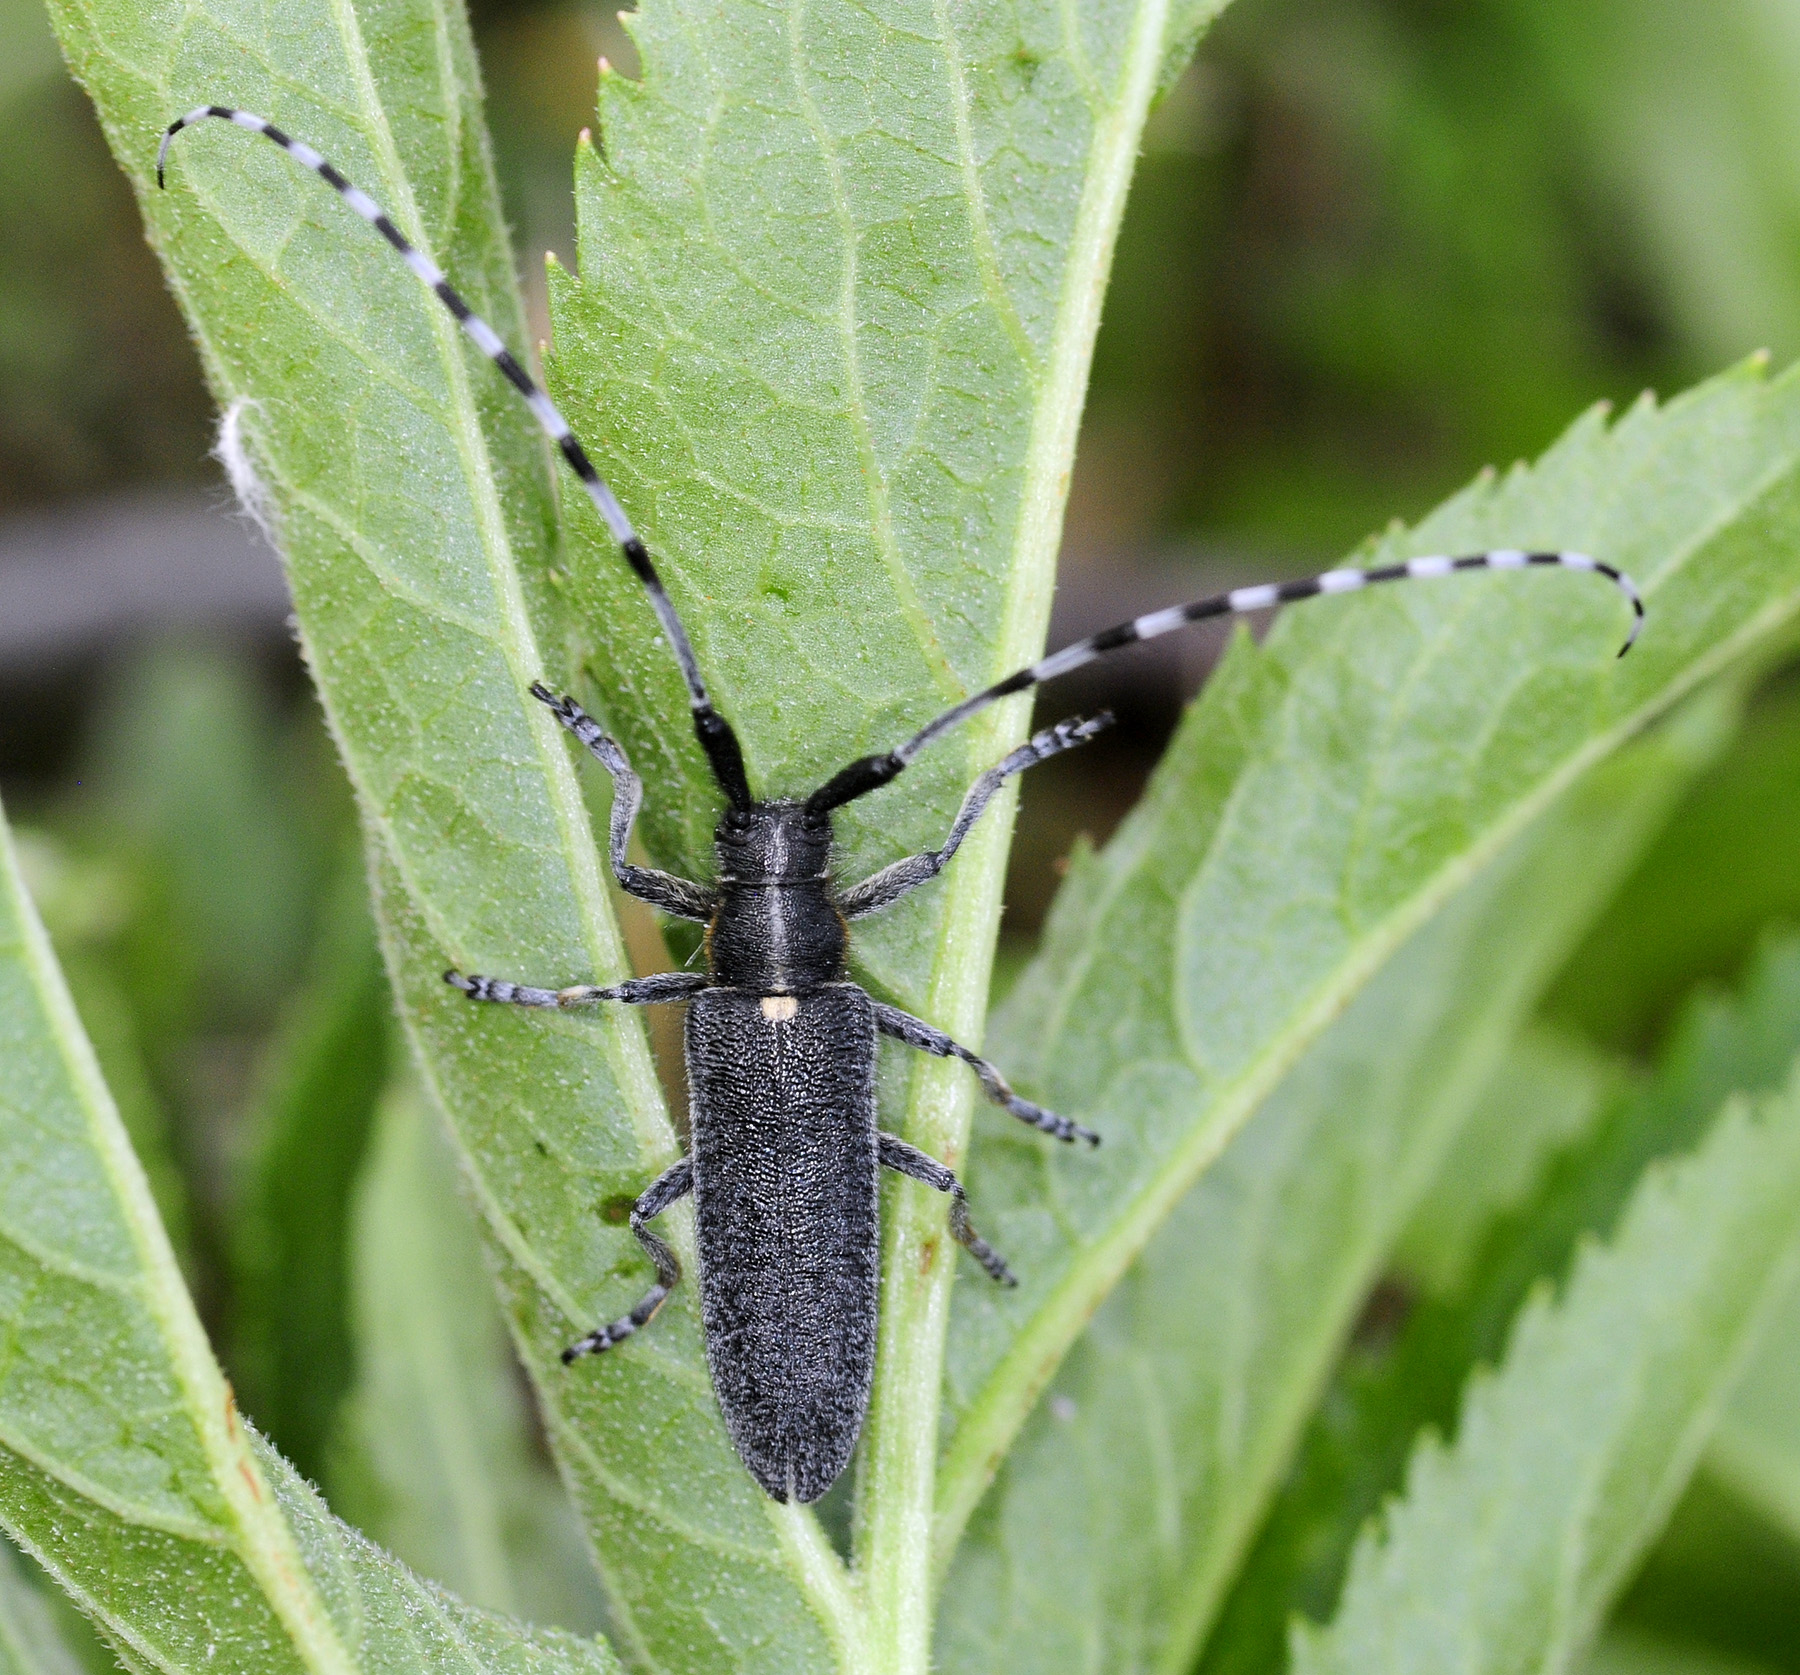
{"points": [[903, 1159], [915, 1032], [668, 1188]]}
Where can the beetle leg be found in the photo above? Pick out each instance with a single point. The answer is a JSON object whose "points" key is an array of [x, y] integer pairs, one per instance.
{"points": [[886, 887], [668, 1188], [664, 987], [903, 1159], [680, 896], [915, 1032]]}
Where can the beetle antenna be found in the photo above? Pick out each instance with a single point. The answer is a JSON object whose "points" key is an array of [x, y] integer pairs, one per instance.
{"points": [[871, 772], [714, 732]]}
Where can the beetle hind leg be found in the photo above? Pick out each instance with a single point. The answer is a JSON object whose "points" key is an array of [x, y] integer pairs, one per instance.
{"points": [[668, 1188], [903, 1159]]}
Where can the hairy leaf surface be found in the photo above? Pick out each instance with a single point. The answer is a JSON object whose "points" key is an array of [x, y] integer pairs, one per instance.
{"points": [[1120, 1517], [1510, 1543], [435, 1457], [124, 1467], [1357, 1444], [832, 349], [1329, 792], [416, 513], [840, 270]]}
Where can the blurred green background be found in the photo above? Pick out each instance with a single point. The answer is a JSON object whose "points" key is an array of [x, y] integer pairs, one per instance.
{"points": [[1374, 247]]}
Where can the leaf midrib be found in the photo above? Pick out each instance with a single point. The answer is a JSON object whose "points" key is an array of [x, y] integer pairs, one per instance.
{"points": [[516, 642]]}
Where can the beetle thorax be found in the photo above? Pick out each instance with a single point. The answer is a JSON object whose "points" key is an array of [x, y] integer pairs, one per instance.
{"points": [[776, 929]]}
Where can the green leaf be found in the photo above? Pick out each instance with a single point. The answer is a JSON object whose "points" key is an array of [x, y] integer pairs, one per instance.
{"points": [[1545, 1099], [1629, 1652], [1756, 1449], [1510, 1545], [1329, 792], [415, 510], [1731, 858], [434, 1456], [290, 1350], [924, 266], [30, 1643], [840, 277], [1355, 1450], [840, 274], [124, 1468], [1123, 1512]]}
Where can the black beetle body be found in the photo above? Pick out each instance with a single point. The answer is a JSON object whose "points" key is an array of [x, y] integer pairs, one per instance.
{"points": [[786, 1214], [780, 1044], [781, 1079], [786, 1152]]}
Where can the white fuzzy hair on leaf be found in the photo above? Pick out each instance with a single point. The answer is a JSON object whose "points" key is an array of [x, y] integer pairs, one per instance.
{"points": [[232, 451]]}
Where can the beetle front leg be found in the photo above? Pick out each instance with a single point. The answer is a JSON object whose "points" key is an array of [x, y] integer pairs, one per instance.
{"points": [[883, 889], [679, 896], [915, 1032], [665, 987], [903, 1159], [668, 1188]]}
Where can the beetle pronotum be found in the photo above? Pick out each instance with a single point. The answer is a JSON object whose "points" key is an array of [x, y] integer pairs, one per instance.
{"points": [[786, 1153]]}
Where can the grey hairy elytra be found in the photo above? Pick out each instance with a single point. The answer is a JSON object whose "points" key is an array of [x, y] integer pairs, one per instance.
{"points": [[786, 1152]]}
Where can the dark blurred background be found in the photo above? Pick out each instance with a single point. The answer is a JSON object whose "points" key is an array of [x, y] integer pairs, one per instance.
{"points": [[1374, 246]]}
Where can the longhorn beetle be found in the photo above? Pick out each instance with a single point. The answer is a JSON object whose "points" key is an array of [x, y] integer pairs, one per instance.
{"points": [[786, 1154]]}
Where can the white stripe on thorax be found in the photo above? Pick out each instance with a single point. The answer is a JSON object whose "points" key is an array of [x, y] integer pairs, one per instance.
{"points": [[777, 900]]}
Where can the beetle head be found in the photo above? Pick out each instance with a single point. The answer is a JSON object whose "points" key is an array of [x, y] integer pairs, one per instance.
{"points": [[773, 842]]}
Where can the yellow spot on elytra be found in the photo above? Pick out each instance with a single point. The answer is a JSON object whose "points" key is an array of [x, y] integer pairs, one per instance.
{"points": [[779, 1008]]}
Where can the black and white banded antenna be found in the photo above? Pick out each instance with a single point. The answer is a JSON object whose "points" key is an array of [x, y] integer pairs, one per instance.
{"points": [[715, 734], [870, 772]]}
